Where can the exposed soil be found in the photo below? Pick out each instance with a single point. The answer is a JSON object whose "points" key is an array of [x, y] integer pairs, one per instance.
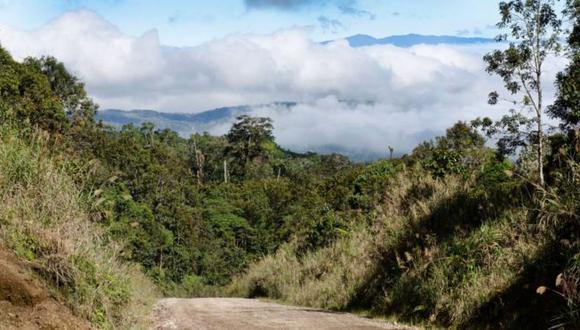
{"points": [[25, 303], [241, 314]]}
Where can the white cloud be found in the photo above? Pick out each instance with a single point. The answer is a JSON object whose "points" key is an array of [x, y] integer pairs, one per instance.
{"points": [[404, 95]]}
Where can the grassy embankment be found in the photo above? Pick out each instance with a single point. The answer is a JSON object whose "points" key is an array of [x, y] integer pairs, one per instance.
{"points": [[454, 252], [47, 221]]}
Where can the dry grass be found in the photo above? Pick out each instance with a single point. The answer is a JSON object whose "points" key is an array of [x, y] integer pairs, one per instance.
{"points": [[44, 219], [490, 260], [422, 257], [331, 277]]}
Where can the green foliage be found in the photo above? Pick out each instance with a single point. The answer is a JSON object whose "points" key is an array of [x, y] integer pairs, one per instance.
{"points": [[232, 240], [370, 185], [135, 225], [534, 28], [66, 88], [496, 174], [444, 162], [26, 97], [45, 219], [248, 140], [449, 236], [460, 151], [566, 108], [322, 233]]}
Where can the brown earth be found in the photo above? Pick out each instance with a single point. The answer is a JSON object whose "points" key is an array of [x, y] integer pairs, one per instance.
{"points": [[241, 314], [25, 303]]}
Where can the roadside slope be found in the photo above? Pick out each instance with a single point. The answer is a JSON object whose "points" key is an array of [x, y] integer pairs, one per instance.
{"points": [[25, 303], [55, 249]]}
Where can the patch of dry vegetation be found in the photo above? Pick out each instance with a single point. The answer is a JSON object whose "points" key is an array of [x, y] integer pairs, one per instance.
{"points": [[44, 218], [437, 250]]}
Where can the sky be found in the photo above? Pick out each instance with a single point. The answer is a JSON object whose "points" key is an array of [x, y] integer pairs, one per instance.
{"points": [[191, 22], [191, 56]]}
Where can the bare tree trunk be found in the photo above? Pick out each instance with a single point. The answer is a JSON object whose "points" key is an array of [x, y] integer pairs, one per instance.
{"points": [[199, 163], [279, 172], [538, 60], [226, 175], [540, 128], [541, 152], [200, 160]]}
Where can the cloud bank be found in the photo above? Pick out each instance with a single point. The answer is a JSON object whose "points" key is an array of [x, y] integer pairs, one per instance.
{"points": [[356, 100]]}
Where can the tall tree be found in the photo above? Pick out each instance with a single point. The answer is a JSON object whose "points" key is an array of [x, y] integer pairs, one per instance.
{"points": [[67, 88], [26, 97], [534, 28], [246, 139], [148, 131]]}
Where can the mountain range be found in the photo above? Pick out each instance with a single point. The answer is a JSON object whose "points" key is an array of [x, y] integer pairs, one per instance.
{"points": [[207, 121], [183, 123], [409, 40]]}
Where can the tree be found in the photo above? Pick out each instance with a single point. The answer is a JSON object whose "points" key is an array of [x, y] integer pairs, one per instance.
{"points": [[148, 131], [534, 28], [26, 98], [246, 139], [461, 148], [567, 105], [67, 88], [206, 156], [461, 137]]}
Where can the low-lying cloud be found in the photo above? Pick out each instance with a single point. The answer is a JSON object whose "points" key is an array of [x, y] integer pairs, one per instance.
{"points": [[357, 100]]}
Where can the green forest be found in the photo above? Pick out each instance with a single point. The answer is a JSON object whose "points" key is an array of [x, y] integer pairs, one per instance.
{"points": [[477, 228]]}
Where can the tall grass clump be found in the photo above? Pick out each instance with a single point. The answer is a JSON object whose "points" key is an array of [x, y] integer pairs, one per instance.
{"points": [[561, 215], [44, 218]]}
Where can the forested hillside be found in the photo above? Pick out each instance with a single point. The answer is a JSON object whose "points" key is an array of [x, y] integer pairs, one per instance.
{"points": [[455, 234]]}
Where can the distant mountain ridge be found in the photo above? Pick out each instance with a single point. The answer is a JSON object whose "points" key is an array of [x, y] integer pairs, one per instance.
{"points": [[186, 124], [183, 123], [410, 40]]}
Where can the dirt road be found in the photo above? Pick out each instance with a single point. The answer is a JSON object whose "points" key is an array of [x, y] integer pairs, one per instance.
{"points": [[241, 314]]}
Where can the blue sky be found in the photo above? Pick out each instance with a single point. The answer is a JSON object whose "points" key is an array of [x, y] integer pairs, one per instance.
{"points": [[189, 23]]}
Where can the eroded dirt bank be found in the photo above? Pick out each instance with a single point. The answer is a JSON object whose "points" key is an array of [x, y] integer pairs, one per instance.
{"points": [[25, 303]]}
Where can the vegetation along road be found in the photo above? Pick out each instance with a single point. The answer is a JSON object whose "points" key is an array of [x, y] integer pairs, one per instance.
{"points": [[216, 313]]}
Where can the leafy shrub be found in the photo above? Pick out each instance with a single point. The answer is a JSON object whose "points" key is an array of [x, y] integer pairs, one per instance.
{"points": [[444, 162]]}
